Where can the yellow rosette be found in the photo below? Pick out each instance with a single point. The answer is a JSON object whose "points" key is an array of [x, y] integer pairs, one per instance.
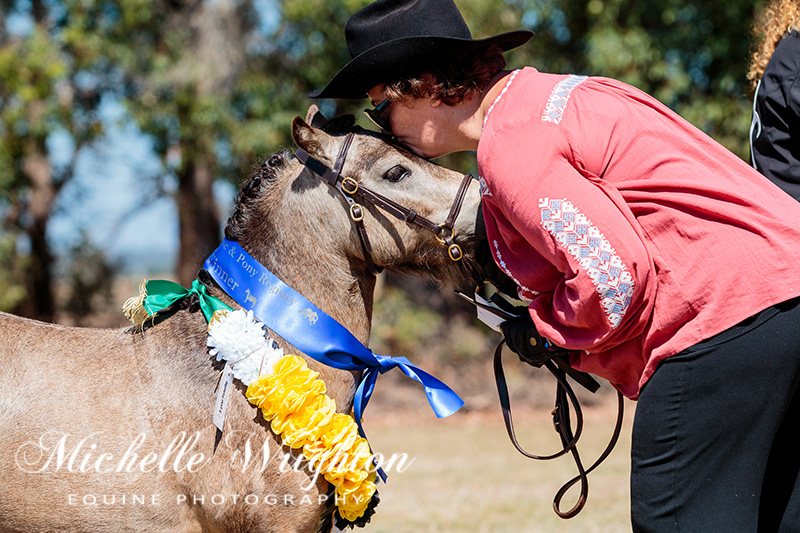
{"points": [[295, 403]]}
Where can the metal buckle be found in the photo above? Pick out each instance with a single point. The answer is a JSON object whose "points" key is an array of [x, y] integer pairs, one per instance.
{"points": [[455, 253], [441, 240], [356, 213], [349, 182]]}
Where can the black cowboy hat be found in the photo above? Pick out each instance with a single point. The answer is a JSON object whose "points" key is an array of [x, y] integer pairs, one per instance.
{"points": [[389, 37]]}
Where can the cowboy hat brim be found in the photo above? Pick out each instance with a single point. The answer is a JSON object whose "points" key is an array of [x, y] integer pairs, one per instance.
{"points": [[391, 60]]}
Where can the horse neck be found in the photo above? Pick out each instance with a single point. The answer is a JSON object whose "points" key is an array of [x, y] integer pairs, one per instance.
{"points": [[331, 283], [339, 290]]}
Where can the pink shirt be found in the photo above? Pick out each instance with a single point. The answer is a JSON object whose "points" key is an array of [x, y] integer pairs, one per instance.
{"points": [[633, 234]]}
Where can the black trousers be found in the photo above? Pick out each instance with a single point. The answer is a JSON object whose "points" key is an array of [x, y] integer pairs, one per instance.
{"points": [[716, 437]]}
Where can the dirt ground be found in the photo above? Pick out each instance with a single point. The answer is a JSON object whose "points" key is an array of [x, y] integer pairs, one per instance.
{"points": [[463, 474]]}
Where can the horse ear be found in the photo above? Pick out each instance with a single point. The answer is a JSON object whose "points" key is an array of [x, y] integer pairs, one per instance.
{"points": [[316, 118], [305, 136], [339, 124]]}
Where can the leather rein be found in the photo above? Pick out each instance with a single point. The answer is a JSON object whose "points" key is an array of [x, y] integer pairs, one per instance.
{"points": [[351, 189], [562, 423]]}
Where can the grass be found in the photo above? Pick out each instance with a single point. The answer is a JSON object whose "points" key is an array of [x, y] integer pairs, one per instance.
{"points": [[466, 475]]}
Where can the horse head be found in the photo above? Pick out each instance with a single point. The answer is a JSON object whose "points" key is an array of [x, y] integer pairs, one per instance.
{"points": [[298, 204]]}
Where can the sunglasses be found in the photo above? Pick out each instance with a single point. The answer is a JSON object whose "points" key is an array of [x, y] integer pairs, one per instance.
{"points": [[377, 115]]}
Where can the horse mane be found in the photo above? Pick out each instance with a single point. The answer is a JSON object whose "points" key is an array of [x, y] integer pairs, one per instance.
{"points": [[245, 212], [247, 197]]}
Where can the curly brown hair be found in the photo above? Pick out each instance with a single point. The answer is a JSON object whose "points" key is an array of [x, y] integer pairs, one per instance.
{"points": [[464, 76], [776, 20]]}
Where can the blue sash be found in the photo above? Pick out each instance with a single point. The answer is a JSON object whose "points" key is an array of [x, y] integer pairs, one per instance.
{"points": [[312, 331]]}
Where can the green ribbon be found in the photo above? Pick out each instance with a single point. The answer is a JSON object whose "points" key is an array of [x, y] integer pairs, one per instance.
{"points": [[162, 294]]}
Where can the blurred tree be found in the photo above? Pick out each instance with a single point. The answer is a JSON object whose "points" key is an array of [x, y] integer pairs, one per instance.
{"points": [[179, 66], [216, 85], [90, 278], [12, 292], [45, 89]]}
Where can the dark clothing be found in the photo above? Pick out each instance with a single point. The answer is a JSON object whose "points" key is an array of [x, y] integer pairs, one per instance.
{"points": [[775, 131], [715, 444]]}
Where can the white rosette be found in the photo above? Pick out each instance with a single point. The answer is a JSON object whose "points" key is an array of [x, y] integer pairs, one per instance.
{"points": [[241, 340]]}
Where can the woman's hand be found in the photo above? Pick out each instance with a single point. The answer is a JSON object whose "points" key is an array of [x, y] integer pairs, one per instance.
{"points": [[523, 339]]}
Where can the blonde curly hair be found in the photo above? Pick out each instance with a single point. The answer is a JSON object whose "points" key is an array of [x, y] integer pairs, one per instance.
{"points": [[776, 20]]}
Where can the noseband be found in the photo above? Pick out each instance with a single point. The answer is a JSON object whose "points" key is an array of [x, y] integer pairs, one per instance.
{"points": [[350, 189]]}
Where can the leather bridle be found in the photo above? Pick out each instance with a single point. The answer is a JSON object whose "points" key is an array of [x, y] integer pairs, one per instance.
{"points": [[351, 189]]}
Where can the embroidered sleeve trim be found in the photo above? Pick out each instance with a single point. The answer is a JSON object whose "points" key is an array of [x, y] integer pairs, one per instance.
{"points": [[582, 240], [484, 187], [559, 97]]}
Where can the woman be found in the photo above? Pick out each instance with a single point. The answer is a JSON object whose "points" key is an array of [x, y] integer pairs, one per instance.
{"points": [[664, 262], [775, 72]]}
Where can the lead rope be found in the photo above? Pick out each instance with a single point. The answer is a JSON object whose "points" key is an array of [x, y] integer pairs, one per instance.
{"points": [[563, 426]]}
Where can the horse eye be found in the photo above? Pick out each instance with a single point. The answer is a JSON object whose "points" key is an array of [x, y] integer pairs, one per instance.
{"points": [[396, 174]]}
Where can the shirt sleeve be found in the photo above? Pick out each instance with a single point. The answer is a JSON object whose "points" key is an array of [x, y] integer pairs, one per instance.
{"points": [[570, 240]]}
